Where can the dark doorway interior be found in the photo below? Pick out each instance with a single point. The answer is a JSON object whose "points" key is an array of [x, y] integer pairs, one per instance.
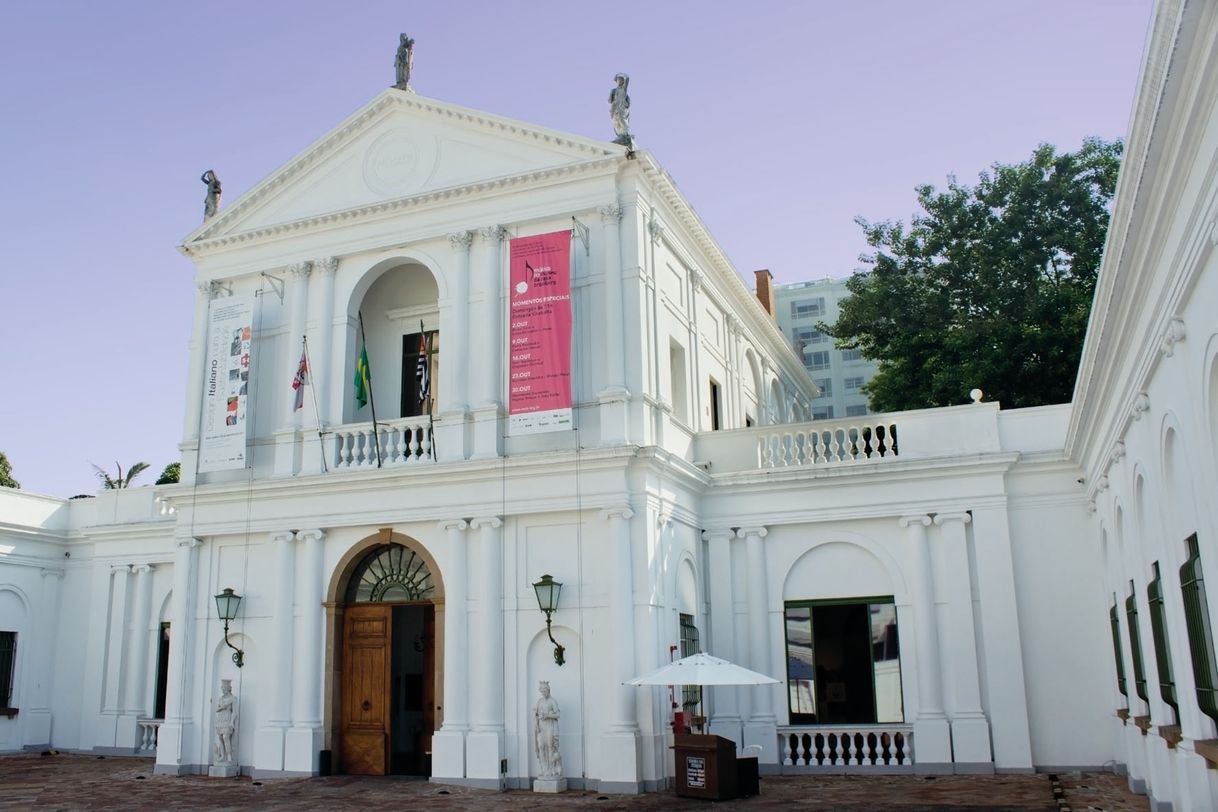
{"points": [[843, 663], [409, 729]]}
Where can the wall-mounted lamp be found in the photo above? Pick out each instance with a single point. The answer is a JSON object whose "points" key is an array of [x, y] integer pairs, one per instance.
{"points": [[226, 606], [547, 590]]}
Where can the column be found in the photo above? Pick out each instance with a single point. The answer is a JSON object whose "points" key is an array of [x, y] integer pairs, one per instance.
{"points": [[303, 742], [762, 726], [321, 302], [486, 376], [295, 304], [613, 398], [112, 698], [930, 724], [484, 745], [448, 744], [38, 732], [135, 676], [175, 747], [725, 716], [620, 753], [194, 382], [271, 734], [449, 431], [970, 729]]}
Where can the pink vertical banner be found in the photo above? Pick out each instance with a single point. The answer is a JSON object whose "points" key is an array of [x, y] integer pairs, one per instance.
{"points": [[539, 333]]}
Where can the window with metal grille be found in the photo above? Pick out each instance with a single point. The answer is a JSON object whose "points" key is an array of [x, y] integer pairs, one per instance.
{"points": [[853, 354], [1200, 636], [8, 661], [1135, 645], [1116, 649], [1158, 629], [691, 695], [803, 308]]}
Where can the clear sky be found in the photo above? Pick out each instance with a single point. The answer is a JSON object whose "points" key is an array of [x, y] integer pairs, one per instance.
{"points": [[780, 122]]}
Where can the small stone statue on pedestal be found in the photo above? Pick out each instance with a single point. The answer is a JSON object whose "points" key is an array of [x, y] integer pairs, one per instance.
{"points": [[224, 722], [211, 203], [619, 111], [404, 62], [545, 741]]}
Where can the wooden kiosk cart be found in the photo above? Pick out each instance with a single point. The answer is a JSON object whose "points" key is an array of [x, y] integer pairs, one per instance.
{"points": [[706, 767]]}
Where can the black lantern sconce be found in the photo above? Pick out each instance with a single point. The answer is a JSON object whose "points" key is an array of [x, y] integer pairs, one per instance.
{"points": [[547, 590], [226, 606]]}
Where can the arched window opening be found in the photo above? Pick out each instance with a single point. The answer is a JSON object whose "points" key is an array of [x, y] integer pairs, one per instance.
{"points": [[391, 572]]}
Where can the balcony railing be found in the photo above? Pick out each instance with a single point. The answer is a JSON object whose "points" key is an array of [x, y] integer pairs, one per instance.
{"points": [[837, 748], [406, 441], [824, 444]]}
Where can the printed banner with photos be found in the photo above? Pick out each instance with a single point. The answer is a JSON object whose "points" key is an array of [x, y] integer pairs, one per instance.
{"points": [[226, 384]]}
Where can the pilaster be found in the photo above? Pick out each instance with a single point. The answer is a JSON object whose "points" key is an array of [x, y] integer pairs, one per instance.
{"points": [[316, 411], [448, 744], [620, 758], [174, 750], [970, 728], [930, 724], [485, 742], [614, 397], [271, 734], [725, 712], [302, 742], [761, 727]]}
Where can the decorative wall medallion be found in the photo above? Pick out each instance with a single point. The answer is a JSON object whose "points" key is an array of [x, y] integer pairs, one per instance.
{"points": [[398, 163]]}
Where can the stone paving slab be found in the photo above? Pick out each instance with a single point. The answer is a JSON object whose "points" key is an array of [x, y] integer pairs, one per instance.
{"points": [[72, 782]]}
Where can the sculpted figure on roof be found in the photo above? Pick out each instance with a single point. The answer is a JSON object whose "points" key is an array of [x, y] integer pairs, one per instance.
{"points": [[403, 62], [619, 110]]}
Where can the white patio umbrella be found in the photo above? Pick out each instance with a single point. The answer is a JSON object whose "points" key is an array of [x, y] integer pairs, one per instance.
{"points": [[701, 669]]}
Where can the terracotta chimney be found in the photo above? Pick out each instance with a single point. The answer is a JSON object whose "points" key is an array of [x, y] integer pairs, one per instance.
{"points": [[765, 290]]}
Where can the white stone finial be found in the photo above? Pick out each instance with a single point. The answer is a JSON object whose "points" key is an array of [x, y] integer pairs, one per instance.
{"points": [[976, 395]]}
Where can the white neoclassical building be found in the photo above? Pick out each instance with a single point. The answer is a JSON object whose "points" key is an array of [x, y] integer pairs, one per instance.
{"points": [[937, 591]]}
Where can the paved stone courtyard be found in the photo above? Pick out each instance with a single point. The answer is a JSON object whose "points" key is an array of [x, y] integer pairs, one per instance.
{"points": [[89, 782]]}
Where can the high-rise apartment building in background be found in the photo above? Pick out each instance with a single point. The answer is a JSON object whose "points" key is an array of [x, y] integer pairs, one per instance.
{"points": [[839, 374]]}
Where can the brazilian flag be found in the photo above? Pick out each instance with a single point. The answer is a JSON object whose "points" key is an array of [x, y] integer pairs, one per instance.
{"points": [[363, 377]]}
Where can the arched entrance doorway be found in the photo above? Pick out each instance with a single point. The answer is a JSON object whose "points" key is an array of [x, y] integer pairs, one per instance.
{"points": [[388, 655]]}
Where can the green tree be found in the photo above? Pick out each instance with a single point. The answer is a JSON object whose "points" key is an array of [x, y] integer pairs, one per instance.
{"points": [[989, 286], [6, 473], [171, 475], [110, 483]]}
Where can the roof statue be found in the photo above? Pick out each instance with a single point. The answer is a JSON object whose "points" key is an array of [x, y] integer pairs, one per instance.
{"points": [[211, 203], [619, 111], [403, 62]]}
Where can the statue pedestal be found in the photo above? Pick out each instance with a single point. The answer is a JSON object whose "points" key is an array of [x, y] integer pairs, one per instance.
{"points": [[223, 771], [550, 785]]}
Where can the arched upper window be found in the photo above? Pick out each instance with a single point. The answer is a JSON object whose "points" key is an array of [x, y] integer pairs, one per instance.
{"points": [[390, 572]]}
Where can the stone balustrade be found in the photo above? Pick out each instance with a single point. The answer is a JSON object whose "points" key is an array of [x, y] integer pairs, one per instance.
{"points": [[149, 729], [826, 443], [405, 441], [844, 748]]}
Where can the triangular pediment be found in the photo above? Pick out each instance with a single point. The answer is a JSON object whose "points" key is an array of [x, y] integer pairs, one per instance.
{"points": [[397, 146]]}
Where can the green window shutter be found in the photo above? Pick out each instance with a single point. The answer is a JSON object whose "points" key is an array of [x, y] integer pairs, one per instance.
{"points": [[1158, 628], [1200, 636], [1135, 645], [1116, 649]]}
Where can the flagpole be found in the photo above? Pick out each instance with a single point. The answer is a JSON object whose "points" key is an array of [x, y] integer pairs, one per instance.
{"points": [[321, 439], [376, 435], [431, 420]]}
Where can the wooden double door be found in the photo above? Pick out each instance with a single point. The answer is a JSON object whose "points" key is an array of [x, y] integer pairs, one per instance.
{"points": [[388, 688]]}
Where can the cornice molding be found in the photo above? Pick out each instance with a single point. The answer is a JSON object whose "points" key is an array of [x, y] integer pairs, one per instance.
{"points": [[205, 244]]}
